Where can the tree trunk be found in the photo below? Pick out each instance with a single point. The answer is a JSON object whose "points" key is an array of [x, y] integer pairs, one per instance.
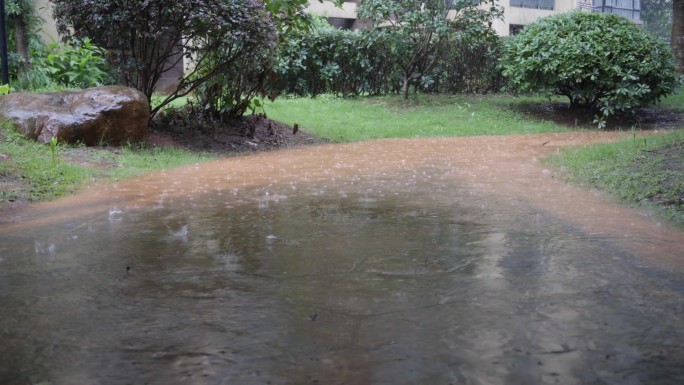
{"points": [[405, 86], [22, 44], [678, 33]]}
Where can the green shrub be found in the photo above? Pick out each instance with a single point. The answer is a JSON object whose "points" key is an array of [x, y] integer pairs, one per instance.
{"points": [[147, 39], [36, 79], [341, 62], [598, 61], [79, 64], [230, 93], [469, 64]]}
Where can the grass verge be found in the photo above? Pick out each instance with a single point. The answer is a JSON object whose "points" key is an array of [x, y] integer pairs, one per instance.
{"points": [[648, 171], [30, 171], [356, 119]]}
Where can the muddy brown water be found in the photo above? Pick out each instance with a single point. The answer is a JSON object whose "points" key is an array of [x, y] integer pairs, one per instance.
{"points": [[428, 261]]}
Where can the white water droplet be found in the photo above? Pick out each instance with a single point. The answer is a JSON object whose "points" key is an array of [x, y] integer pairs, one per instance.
{"points": [[115, 214], [182, 233]]}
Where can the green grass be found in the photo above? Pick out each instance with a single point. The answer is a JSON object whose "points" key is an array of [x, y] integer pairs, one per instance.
{"points": [[674, 101], [363, 118], [40, 176], [645, 171], [134, 162]]}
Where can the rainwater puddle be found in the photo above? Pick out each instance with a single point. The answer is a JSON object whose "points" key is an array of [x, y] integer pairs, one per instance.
{"points": [[420, 262]]}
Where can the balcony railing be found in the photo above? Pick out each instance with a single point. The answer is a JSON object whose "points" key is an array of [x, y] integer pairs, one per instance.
{"points": [[630, 9], [534, 4]]}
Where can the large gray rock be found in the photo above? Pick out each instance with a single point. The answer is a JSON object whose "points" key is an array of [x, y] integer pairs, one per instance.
{"points": [[93, 116]]}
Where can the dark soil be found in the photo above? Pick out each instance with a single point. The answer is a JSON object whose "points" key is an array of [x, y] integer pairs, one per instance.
{"points": [[253, 133], [642, 118]]}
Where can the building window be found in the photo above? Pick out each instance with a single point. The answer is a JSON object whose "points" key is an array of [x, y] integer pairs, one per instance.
{"points": [[341, 23], [630, 9], [456, 4], [514, 29], [534, 4]]}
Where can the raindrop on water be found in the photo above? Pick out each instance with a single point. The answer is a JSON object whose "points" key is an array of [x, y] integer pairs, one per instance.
{"points": [[115, 214]]}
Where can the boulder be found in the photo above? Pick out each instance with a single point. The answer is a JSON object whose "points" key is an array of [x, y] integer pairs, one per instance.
{"points": [[100, 115]]}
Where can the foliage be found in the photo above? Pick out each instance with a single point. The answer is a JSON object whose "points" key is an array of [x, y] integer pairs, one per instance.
{"points": [[341, 62], [79, 64], [35, 79], [468, 63], [657, 17], [23, 25], [54, 150], [422, 28], [598, 61], [290, 16], [58, 66], [232, 92], [149, 37]]}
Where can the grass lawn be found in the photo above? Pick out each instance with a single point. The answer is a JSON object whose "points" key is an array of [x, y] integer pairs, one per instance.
{"points": [[348, 120], [644, 171], [33, 171]]}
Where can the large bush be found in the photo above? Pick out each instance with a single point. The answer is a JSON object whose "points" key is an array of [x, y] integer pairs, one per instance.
{"points": [[149, 37], [599, 61], [232, 92], [423, 28], [330, 60], [469, 63], [342, 62]]}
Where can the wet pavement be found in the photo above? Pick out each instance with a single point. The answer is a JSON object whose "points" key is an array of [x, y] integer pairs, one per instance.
{"points": [[452, 261]]}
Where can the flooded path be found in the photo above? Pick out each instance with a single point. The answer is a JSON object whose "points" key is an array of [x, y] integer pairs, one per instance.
{"points": [[431, 261]]}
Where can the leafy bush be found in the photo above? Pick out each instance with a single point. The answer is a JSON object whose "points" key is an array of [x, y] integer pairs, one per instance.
{"points": [[468, 64], [80, 64], [148, 38], [231, 93], [599, 61], [424, 28], [58, 66], [36, 79], [342, 62]]}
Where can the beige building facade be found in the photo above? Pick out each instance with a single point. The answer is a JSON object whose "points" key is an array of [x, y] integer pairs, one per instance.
{"points": [[48, 30], [517, 13]]}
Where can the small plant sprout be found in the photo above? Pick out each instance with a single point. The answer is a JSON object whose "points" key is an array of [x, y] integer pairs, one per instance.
{"points": [[54, 150]]}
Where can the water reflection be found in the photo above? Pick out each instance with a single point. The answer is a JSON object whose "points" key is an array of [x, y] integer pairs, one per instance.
{"points": [[407, 278]]}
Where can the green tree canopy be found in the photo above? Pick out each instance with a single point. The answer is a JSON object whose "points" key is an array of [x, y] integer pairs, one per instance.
{"points": [[421, 28]]}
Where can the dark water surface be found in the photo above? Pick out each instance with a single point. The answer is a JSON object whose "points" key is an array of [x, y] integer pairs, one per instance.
{"points": [[402, 278]]}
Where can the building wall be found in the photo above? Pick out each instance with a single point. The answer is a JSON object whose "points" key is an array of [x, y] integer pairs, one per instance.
{"points": [[49, 29], [328, 9], [525, 16], [513, 15]]}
